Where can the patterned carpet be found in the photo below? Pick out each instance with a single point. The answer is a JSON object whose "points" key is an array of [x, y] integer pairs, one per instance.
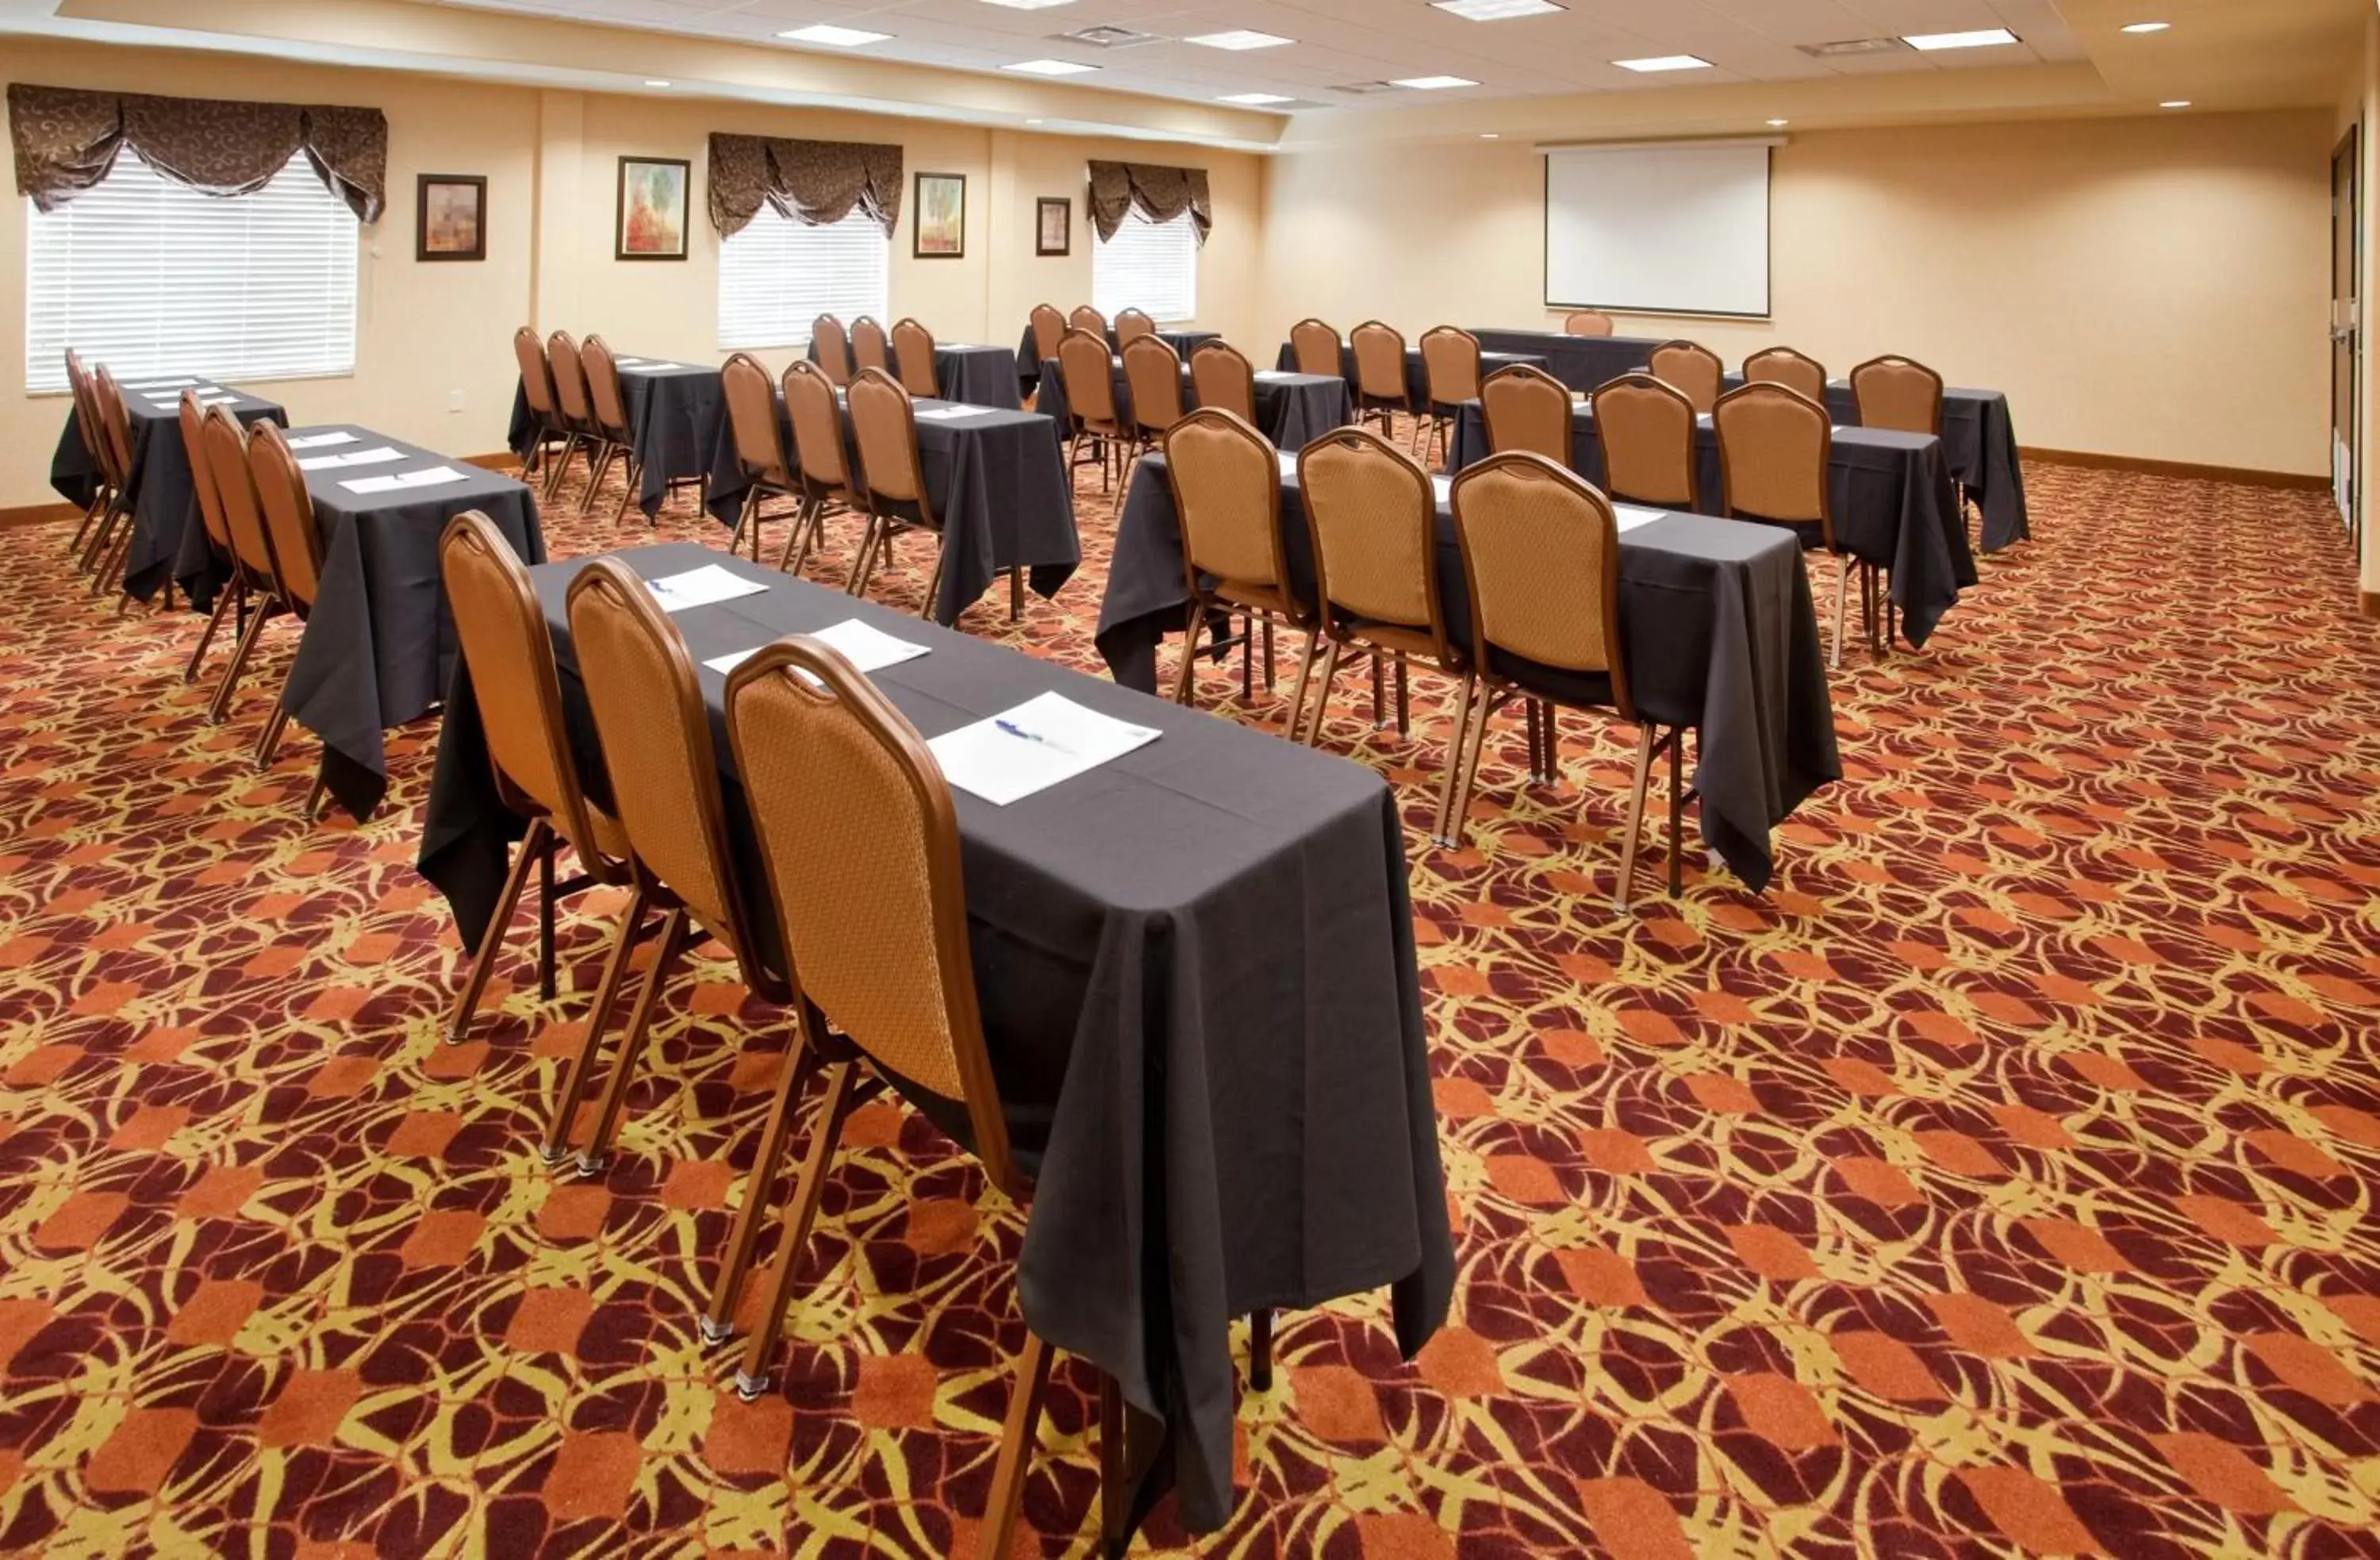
{"points": [[2002, 1182]]}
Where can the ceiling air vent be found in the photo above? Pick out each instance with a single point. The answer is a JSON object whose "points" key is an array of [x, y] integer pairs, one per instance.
{"points": [[1110, 38], [1362, 89], [1852, 47]]}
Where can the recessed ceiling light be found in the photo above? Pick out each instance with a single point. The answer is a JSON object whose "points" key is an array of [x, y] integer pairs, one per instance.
{"points": [[839, 37], [1242, 39], [1434, 83], [1664, 62], [1982, 38], [2145, 26], [653, 83], [2175, 103], [1256, 100], [1050, 68], [1033, 121], [1496, 10], [1029, 4], [1490, 135], [1778, 124]]}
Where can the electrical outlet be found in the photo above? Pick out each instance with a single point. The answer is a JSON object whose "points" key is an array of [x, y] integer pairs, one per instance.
{"points": [[454, 400]]}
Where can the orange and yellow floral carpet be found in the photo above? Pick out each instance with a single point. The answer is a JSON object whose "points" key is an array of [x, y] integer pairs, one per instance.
{"points": [[2001, 1183]]}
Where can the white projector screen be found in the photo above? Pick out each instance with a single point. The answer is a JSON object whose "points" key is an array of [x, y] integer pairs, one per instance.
{"points": [[1659, 229]]}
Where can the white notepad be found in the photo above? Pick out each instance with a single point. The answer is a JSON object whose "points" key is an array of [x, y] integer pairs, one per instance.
{"points": [[437, 476], [372, 484], [701, 587], [949, 414], [1444, 487], [318, 441], [868, 649], [1269, 377], [645, 368], [1631, 515], [1040, 743], [222, 400], [380, 457], [1288, 463]]}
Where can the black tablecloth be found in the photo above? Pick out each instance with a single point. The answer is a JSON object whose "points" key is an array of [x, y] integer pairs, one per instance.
{"points": [[378, 648], [997, 481], [1714, 619], [1292, 409], [1198, 960], [981, 376], [169, 535], [1029, 367], [1416, 376], [674, 416], [1893, 504], [1582, 362]]}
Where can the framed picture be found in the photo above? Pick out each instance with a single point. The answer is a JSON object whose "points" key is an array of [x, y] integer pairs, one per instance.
{"points": [[941, 232], [652, 207], [1054, 232], [451, 217]]}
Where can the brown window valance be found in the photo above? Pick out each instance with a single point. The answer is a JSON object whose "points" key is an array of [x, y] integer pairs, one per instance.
{"points": [[1161, 194], [68, 140], [813, 182]]}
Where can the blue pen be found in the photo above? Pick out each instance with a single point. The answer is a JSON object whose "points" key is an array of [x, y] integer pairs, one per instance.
{"points": [[1015, 730]]}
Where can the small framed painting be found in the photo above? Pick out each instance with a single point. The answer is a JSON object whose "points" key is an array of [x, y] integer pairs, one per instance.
{"points": [[941, 232], [451, 217], [652, 208], [1054, 233]]}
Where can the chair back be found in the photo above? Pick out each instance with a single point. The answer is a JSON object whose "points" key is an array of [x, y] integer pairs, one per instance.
{"points": [[1651, 441], [288, 511], [870, 348], [1775, 446], [1226, 480], [1526, 407], [569, 378], [752, 421], [1693, 369], [603, 395], [536, 373], [1153, 371], [1379, 362], [1900, 394], [1449, 361], [115, 428], [1372, 513], [1224, 379], [87, 417], [913, 352], [1085, 318], [1131, 324], [251, 548], [817, 428], [1084, 363], [1315, 348], [1587, 322], [884, 426], [194, 447], [1783, 365], [861, 839], [1049, 329], [1541, 551], [831, 348], [509, 653], [655, 739]]}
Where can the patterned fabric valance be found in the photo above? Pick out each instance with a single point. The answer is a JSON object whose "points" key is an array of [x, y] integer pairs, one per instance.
{"points": [[1162, 194], [814, 182], [68, 140]]}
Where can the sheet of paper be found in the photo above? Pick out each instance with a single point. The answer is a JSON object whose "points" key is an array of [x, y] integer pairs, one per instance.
{"points": [[868, 649], [1273, 376], [723, 664], [1026, 750], [1631, 515], [645, 368], [1288, 465], [701, 587], [949, 414], [1445, 486], [437, 476], [321, 462], [320, 441], [163, 384], [217, 400], [378, 455], [372, 484]]}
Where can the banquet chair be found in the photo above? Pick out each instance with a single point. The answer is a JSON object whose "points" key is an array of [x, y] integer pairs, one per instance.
{"points": [[1693, 369], [577, 411], [607, 415], [255, 572], [913, 358], [760, 437], [830, 350], [1048, 330], [1783, 365], [655, 739], [1152, 374], [1898, 394], [231, 597], [821, 475], [1541, 553], [1652, 442], [858, 834], [1380, 387], [88, 433], [1084, 364], [1226, 480], [1223, 378], [545, 416], [1085, 318], [1131, 324], [1587, 322], [1449, 367], [1524, 407], [1371, 512], [1776, 449], [870, 348], [111, 547], [289, 523], [508, 651], [1315, 348], [892, 485]]}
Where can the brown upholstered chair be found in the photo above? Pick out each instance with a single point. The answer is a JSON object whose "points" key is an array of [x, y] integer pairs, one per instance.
{"points": [[830, 350], [546, 427], [912, 356], [1049, 329], [892, 482], [253, 567], [1783, 365], [1084, 364], [1587, 322], [1316, 348], [575, 410], [509, 653], [1898, 393], [1449, 367], [664, 771], [88, 433], [1226, 480], [231, 597], [112, 548], [1526, 407], [1541, 555], [760, 437], [288, 511], [870, 348], [1693, 369], [1776, 451], [1380, 387], [1652, 444], [1131, 324], [1085, 318], [607, 410], [823, 474], [1152, 373], [1224, 379]]}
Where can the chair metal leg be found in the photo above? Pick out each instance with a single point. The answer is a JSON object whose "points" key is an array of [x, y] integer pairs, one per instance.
{"points": [[1549, 736], [556, 1146], [1405, 697], [1380, 696], [1843, 585], [1260, 1351], [1017, 1436], [545, 923], [1677, 811], [240, 652], [1322, 697], [1443, 834], [1181, 678], [719, 1321], [1115, 1471], [91, 514], [1483, 706], [630, 489], [934, 585], [596, 1153], [793, 1239], [1643, 777], [268, 746], [861, 565], [1247, 657], [1305, 676], [207, 634], [604, 450], [795, 536], [535, 844], [1016, 591]]}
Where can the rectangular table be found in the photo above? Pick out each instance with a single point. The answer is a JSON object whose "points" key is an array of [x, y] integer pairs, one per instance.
{"points": [[980, 376], [1292, 409], [1416, 376], [1197, 982], [1582, 362], [674, 414], [1716, 623], [169, 535], [1029, 366], [379, 647], [1892, 499], [997, 481]]}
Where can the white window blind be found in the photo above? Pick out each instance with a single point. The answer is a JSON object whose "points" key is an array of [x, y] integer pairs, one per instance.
{"points": [[1151, 266], [777, 277], [151, 277]]}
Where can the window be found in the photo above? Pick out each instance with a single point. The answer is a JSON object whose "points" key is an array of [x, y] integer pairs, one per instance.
{"points": [[1151, 266], [151, 277], [778, 275]]}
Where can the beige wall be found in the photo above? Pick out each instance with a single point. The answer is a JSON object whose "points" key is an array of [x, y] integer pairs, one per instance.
{"points": [[2361, 106], [2068, 263], [427, 331]]}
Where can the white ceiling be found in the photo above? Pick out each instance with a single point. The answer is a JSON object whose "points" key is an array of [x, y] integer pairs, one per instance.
{"points": [[1341, 42]]}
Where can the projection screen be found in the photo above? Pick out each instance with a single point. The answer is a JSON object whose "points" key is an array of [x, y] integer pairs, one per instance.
{"points": [[1659, 229]]}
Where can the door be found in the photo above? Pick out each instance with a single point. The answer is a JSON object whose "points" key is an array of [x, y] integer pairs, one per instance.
{"points": [[2346, 327]]}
